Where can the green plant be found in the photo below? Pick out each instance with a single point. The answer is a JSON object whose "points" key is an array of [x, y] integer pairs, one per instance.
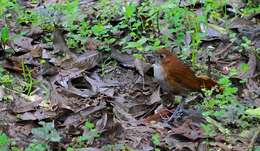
{"points": [[250, 9], [29, 81], [139, 56], [226, 108], [46, 133], [246, 44], [213, 9], [14, 148], [92, 132], [156, 140], [253, 112], [4, 142], [65, 14], [220, 100], [4, 36], [23, 16], [5, 5], [99, 30], [5, 78], [107, 62], [113, 8], [37, 147], [78, 34], [217, 106], [28, 16], [130, 10], [138, 44], [257, 148], [244, 67], [208, 129], [183, 21], [69, 149]]}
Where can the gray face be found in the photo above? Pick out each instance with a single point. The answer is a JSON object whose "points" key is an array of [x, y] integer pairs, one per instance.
{"points": [[155, 58]]}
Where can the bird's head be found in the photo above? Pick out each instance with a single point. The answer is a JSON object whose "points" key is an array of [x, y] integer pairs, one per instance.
{"points": [[159, 55]]}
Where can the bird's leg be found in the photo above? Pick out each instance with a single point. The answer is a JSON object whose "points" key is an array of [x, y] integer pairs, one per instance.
{"points": [[180, 110], [177, 114], [164, 102]]}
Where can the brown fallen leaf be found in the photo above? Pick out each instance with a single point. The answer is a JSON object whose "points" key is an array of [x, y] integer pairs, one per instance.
{"points": [[21, 104]]}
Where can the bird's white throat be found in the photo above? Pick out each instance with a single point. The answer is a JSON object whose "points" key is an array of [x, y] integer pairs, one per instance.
{"points": [[158, 72]]}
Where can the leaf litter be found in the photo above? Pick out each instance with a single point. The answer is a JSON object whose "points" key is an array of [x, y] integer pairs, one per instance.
{"points": [[124, 104]]}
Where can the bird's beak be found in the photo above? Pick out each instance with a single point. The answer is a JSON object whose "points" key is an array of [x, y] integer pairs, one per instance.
{"points": [[152, 58]]}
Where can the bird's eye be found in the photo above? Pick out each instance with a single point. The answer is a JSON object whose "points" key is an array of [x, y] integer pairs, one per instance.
{"points": [[162, 56]]}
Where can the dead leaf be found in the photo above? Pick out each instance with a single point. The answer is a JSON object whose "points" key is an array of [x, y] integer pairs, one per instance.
{"points": [[85, 61], [78, 118], [141, 66], [34, 31], [38, 115], [174, 143], [155, 97], [157, 116], [93, 44], [59, 43], [21, 104], [24, 43], [124, 59], [237, 4], [27, 116], [21, 133], [251, 68], [239, 22]]}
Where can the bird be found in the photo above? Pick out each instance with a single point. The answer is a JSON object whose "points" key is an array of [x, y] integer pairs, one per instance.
{"points": [[176, 77]]}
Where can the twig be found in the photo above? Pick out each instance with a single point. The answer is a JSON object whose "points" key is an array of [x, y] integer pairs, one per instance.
{"points": [[209, 66], [224, 49]]}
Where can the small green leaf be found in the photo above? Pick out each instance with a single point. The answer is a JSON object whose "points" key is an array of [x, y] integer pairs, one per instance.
{"points": [[156, 139], [218, 125], [138, 56], [219, 113], [4, 141], [47, 132], [5, 34], [244, 67], [89, 125], [69, 149], [208, 129], [230, 90], [98, 29], [132, 45], [37, 147], [253, 112], [224, 81], [257, 148], [142, 40], [233, 72], [129, 10]]}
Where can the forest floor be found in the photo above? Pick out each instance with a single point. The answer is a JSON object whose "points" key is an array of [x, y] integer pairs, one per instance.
{"points": [[74, 75]]}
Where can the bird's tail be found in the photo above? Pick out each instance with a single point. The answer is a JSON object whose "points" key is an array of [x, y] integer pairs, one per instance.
{"points": [[206, 82]]}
